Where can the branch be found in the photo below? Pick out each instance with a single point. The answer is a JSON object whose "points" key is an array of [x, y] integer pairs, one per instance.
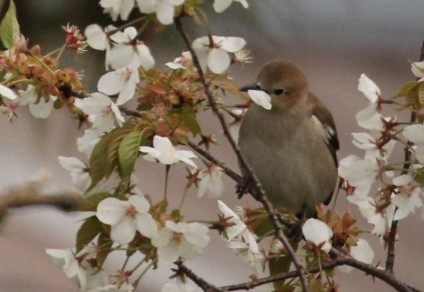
{"points": [[339, 260], [196, 279], [257, 191], [30, 196], [391, 240]]}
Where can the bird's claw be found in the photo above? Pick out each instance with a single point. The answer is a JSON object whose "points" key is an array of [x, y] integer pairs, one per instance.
{"points": [[243, 186]]}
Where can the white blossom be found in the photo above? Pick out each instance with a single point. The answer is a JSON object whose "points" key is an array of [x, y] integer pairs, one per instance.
{"points": [[129, 50], [122, 81], [175, 240], [221, 5], [369, 142], [166, 153], [7, 92], [418, 69], [164, 9], [38, 107], [318, 233], [181, 62], [362, 252], [88, 141], [216, 56], [96, 37], [127, 217], [211, 183], [102, 112], [78, 170], [115, 8], [407, 198]]}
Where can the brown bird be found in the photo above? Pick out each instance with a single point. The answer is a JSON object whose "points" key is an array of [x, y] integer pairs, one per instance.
{"points": [[291, 147]]}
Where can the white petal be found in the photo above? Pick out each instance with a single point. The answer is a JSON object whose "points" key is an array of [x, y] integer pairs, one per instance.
{"points": [[261, 98], [110, 83], [146, 225], [123, 231], [414, 133], [368, 88], [402, 180], [233, 44], [71, 163], [145, 57], [218, 60], [7, 92], [362, 251], [317, 232], [147, 6], [121, 55], [369, 118], [165, 12], [111, 210], [42, 109], [221, 5], [139, 203], [418, 69], [96, 37]]}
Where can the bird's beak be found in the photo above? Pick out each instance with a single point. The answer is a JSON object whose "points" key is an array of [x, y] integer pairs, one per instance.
{"points": [[250, 86]]}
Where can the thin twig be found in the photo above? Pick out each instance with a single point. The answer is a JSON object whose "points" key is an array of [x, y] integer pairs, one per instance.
{"points": [[228, 171], [391, 240], [258, 191], [196, 279]]}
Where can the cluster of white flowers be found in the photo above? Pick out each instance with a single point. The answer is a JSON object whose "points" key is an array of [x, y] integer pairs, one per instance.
{"points": [[360, 174], [241, 240]]}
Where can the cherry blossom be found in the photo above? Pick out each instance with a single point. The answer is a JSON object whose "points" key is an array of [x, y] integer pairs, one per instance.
{"points": [[374, 214], [115, 8], [164, 9], [221, 5], [180, 240], [362, 252], [127, 217], [129, 50], [318, 233], [38, 107], [241, 240], [234, 127], [261, 98], [122, 81], [78, 170], [102, 112], [370, 117], [77, 269], [215, 55], [418, 69], [407, 198], [181, 62], [7, 92], [164, 152], [370, 143], [96, 37], [359, 173], [211, 183]]}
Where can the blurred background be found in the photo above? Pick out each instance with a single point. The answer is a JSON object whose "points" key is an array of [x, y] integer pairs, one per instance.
{"points": [[333, 41]]}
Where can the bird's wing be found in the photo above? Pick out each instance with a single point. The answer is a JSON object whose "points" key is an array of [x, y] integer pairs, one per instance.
{"points": [[322, 115]]}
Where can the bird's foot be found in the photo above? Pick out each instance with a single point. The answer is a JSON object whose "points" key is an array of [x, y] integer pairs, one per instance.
{"points": [[243, 186]]}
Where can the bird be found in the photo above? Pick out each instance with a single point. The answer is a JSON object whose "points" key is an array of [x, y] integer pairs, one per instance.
{"points": [[291, 147]]}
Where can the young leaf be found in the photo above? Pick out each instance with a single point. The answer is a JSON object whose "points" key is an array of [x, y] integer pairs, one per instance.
{"points": [[128, 151], [91, 201], [105, 244], [98, 161], [9, 27], [88, 231]]}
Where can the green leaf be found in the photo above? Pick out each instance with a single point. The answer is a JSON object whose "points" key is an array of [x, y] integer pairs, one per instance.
{"points": [[128, 151], [91, 201], [187, 118], [405, 89], [105, 244], [104, 157], [9, 27], [98, 161], [225, 83], [88, 231], [419, 176]]}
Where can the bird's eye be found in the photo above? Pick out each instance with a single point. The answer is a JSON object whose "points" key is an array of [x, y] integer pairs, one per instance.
{"points": [[279, 91]]}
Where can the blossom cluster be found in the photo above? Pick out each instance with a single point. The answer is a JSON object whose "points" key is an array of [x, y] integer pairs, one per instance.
{"points": [[399, 192]]}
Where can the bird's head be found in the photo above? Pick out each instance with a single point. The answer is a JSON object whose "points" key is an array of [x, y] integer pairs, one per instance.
{"points": [[283, 81]]}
